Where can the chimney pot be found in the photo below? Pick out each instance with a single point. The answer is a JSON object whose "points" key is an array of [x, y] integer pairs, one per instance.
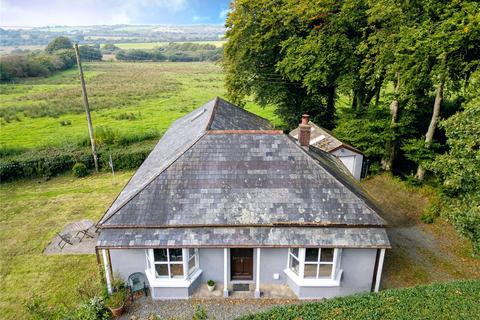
{"points": [[304, 131], [305, 118]]}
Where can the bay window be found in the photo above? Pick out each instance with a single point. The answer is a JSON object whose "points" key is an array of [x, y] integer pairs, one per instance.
{"points": [[314, 266], [172, 263]]}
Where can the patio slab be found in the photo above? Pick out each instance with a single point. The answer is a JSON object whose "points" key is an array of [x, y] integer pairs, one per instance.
{"points": [[86, 246]]}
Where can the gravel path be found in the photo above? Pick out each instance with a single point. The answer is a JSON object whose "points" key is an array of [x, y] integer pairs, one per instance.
{"points": [[145, 308]]}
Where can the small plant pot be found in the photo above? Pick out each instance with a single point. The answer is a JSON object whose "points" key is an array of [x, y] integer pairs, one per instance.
{"points": [[210, 288], [117, 312]]}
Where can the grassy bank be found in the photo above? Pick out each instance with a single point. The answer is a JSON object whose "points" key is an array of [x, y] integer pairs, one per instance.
{"points": [[455, 300]]}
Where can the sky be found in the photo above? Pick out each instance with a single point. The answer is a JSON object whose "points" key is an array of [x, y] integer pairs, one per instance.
{"points": [[33, 13]]}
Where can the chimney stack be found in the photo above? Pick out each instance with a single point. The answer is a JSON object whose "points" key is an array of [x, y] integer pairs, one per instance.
{"points": [[304, 131]]}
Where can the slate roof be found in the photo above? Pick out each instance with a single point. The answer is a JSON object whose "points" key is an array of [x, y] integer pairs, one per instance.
{"points": [[324, 139], [222, 170]]}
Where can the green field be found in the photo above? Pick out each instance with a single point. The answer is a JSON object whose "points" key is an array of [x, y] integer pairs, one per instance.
{"points": [[154, 93]]}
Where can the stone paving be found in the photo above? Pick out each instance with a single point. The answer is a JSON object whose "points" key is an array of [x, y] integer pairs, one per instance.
{"points": [[219, 309], [86, 246]]}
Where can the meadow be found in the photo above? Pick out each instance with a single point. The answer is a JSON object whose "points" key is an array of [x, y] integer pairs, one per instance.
{"points": [[130, 98]]}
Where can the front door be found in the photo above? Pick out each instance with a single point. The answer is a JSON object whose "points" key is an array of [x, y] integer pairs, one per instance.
{"points": [[241, 263]]}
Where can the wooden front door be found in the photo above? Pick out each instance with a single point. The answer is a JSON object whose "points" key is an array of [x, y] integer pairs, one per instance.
{"points": [[241, 263]]}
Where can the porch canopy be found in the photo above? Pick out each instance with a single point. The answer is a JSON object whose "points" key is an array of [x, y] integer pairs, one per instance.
{"points": [[273, 237]]}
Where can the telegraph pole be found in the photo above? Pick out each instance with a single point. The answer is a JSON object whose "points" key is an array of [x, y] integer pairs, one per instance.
{"points": [[87, 108]]}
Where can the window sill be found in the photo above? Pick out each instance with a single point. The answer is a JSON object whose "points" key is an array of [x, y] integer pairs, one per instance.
{"points": [[173, 283], [314, 282]]}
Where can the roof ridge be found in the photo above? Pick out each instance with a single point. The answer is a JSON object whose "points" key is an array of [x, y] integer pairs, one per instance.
{"points": [[212, 115], [149, 181], [374, 208]]}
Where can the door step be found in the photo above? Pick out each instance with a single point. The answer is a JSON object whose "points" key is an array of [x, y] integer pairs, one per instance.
{"points": [[241, 287]]}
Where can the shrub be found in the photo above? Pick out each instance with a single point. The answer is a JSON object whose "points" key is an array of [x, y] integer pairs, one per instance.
{"points": [[91, 309], [79, 170], [116, 299], [200, 313], [426, 218], [211, 283]]}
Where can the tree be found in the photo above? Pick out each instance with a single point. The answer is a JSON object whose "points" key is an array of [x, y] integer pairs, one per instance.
{"points": [[251, 54], [59, 43], [459, 168], [90, 53], [453, 37]]}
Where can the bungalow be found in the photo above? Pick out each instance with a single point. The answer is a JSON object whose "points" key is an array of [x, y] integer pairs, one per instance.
{"points": [[225, 197], [323, 139]]}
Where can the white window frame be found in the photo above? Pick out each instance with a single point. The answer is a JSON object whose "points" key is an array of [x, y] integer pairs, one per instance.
{"points": [[333, 280], [168, 281], [291, 256], [168, 263], [318, 263]]}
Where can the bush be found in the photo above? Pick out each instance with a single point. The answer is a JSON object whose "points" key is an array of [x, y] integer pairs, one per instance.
{"points": [[116, 299], [200, 313], [91, 309], [79, 170]]}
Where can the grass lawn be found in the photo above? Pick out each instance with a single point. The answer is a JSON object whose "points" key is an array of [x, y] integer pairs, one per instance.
{"points": [[32, 211]]}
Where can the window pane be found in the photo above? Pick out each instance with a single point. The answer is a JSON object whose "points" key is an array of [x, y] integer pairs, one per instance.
{"points": [[175, 254], [294, 265], [191, 252], [310, 271], [160, 254], [326, 255], [177, 270], [325, 271], [191, 265], [311, 254], [294, 251], [161, 270]]}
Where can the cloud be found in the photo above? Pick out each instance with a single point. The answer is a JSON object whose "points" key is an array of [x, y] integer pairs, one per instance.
{"points": [[223, 14], [82, 12]]}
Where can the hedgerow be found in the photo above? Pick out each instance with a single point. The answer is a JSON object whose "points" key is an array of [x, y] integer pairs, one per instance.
{"points": [[52, 161], [454, 300]]}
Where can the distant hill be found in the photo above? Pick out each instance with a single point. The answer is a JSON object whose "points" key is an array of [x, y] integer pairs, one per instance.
{"points": [[101, 34]]}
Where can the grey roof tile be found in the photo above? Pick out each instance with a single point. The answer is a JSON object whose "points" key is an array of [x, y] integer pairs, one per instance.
{"points": [[245, 236]]}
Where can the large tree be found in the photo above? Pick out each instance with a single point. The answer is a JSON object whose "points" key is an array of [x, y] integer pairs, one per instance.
{"points": [[451, 32], [59, 43]]}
